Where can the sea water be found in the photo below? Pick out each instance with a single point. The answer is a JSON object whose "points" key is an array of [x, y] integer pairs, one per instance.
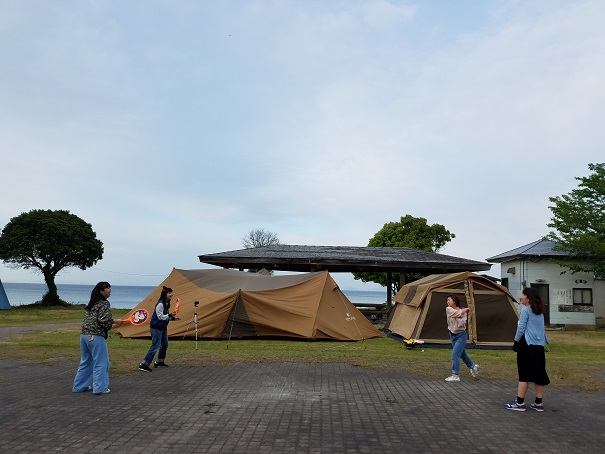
{"points": [[128, 297], [122, 296]]}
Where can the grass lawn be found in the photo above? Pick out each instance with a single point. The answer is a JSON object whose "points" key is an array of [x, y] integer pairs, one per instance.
{"points": [[575, 358]]}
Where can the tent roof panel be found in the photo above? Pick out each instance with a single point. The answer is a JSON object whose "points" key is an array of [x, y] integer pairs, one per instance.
{"points": [[230, 281]]}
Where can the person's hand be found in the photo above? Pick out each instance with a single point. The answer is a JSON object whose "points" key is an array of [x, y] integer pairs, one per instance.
{"points": [[515, 346]]}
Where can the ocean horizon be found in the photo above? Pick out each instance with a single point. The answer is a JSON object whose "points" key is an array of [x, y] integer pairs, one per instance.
{"points": [[129, 296]]}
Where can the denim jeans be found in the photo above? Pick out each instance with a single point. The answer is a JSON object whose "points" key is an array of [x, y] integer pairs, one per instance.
{"points": [[94, 365], [458, 351], [159, 341]]}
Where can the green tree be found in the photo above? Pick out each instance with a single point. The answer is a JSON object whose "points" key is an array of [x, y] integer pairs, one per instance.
{"points": [[409, 232], [48, 241], [579, 222]]}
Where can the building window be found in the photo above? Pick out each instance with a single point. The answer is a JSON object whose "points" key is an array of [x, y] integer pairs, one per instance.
{"points": [[582, 296]]}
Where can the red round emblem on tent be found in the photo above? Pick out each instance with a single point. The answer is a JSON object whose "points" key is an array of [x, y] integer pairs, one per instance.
{"points": [[139, 316]]}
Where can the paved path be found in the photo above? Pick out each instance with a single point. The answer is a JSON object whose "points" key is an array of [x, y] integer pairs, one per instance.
{"points": [[12, 331], [286, 408]]}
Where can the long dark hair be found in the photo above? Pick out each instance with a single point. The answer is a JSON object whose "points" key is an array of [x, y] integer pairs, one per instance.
{"points": [[535, 301], [95, 295], [165, 291]]}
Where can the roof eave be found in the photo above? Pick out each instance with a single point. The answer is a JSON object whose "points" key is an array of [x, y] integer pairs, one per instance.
{"points": [[350, 267]]}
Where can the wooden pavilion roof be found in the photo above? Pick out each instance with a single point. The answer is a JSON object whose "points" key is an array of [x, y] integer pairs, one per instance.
{"points": [[342, 259]]}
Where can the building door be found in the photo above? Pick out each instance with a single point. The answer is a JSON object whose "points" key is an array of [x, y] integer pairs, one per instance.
{"points": [[543, 291]]}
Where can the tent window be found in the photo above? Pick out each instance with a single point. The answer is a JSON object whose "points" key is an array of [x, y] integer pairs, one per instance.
{"points": [[582, 296]]}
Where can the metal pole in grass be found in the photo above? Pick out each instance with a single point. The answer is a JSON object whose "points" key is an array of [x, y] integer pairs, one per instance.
{"points": [[193, 320], [195, 305]]}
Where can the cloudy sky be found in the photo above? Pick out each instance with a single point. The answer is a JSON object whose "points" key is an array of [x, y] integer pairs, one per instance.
{"points": [[176, 127]]}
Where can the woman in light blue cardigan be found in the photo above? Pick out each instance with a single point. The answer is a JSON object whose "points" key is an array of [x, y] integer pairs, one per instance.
{"points": [[530, 340]]}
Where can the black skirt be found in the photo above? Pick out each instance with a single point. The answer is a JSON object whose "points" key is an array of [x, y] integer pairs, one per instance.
{"points": [[531, 364]]}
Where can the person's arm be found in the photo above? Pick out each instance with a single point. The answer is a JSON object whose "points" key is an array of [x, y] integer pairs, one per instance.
{"points": [[104, 317], [450, 312], [522, 325], [159, 311]]}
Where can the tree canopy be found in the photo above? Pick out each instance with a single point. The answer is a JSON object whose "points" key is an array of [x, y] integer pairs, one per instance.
{"points": [[259, 238], [579, 222], [48, 241], [410, 232]]}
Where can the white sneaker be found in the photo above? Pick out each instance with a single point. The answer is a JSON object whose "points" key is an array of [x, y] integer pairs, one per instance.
{"points": [[474, 370], [453, 378]]}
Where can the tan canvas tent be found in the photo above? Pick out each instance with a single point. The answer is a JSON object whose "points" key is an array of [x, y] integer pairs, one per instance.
{"points": [[234, 304], [419, 312]]}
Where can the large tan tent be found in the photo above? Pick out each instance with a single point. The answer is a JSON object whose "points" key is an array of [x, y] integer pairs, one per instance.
{"points": [[419, 312], [236, 304]]}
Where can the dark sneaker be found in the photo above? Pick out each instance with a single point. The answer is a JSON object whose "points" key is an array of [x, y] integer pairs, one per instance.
{"points": [[162, 364], [515, 406], [537, 407], [88, 388], [144, 367]]}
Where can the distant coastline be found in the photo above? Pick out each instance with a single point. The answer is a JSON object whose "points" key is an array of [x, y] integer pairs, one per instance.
{"points": [[122, 296], [128, 296]]}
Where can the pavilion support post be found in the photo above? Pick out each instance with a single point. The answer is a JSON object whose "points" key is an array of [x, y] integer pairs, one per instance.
{"points": [[402, 281], [389, 294], [389, 285]]}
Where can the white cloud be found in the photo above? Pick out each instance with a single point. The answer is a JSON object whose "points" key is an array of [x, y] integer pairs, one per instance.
{"points": [[176, 128]]}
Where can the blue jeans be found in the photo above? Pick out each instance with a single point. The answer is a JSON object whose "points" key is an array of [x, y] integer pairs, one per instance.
{"points": [[159, 341], [458, 351], [94, 365]]}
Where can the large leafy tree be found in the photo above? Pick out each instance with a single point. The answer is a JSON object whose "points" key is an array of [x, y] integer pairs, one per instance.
{"points": [[410, 232], [579, 222], [48, 241]]}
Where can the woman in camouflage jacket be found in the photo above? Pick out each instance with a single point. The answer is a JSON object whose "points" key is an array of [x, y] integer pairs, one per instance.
{"points": [[93, 371]]}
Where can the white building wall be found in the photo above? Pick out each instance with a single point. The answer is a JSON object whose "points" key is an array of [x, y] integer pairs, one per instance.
{"points": [[560, 288], [598, 297]]}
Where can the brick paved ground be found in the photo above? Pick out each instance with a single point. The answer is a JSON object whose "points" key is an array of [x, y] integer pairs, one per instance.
{"points": [[286, 408]]}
